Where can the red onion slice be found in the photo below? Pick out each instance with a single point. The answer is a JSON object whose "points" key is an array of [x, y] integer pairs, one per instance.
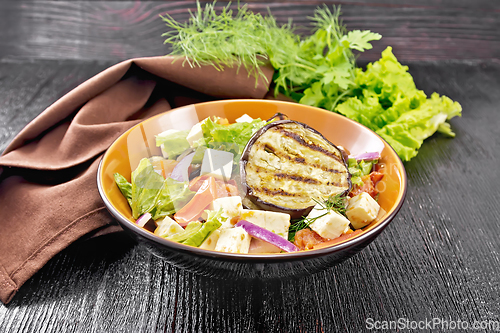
{"points": [[267, 236], [143, 219], [366, 156], [181, 170]]}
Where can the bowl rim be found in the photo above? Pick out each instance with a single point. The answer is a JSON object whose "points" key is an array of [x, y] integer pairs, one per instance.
{"points": [[254, 257]]}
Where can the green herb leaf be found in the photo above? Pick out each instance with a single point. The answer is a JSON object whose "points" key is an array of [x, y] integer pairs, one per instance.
{"points": [[327, 63], [360, 40]]}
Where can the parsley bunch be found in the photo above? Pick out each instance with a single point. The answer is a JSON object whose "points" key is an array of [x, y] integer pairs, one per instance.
{"points": [[323, 71]]}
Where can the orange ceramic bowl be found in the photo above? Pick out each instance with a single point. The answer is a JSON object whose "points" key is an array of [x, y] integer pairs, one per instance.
{"points": [[125, 153]]}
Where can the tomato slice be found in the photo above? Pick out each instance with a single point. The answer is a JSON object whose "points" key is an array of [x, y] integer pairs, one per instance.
{"points": [[192, 211], [224, 189]]}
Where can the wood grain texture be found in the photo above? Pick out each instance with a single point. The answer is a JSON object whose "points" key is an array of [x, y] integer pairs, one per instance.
{"points": [[438, 259], [117, 30], [27, 88]]}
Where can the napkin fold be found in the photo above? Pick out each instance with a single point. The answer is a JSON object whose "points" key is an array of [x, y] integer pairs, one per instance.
{"points": [[48, 190]]}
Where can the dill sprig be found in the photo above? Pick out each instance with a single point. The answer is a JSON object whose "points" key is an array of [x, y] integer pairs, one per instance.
{"points": [[335, 203], [228, 39]]}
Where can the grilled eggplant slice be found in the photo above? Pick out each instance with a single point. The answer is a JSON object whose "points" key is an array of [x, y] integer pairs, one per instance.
{"points": [[287, 165]]}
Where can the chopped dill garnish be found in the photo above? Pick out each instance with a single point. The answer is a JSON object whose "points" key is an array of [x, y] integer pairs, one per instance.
{"points": [[336, 203]]}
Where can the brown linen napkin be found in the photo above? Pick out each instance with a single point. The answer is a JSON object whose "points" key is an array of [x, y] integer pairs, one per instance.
{"points": [[48, 190]]}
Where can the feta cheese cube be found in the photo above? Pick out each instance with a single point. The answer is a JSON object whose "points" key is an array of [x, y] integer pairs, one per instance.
{"points": [[217, 163], [232, 208], [272, 221], [362, 209], [234, 240], [194, 134], [211, 241], [244, 119], [328, 224], [167, 227]]}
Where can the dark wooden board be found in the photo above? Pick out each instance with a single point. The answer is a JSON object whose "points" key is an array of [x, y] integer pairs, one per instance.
{"points": [[438, 259], [28, 87], [115, 30]]}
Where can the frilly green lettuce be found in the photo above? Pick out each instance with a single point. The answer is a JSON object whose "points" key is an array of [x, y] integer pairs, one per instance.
{"points": [[388, 102], [172, 196], [213, 222], [146, 184], [124, 186], [149, 192], [174, 142], [233, 137], [196, 232], [191, 229]]}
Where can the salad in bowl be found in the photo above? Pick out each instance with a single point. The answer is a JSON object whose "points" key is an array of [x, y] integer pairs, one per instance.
{"points": [[247, 179]]}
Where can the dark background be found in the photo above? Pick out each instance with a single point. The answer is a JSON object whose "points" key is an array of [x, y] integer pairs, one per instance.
{"points": [[438, 259]]}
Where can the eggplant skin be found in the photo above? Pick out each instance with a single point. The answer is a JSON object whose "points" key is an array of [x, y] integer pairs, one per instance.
{"points": [[287, 165]]}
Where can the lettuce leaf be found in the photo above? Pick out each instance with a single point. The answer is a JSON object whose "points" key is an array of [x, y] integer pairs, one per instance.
{"points": [[388, 102], [174, 142], [146, 184], [124, 186], [149, 192], [172, 196], [232, 138], [191, 229], [214, 221]]}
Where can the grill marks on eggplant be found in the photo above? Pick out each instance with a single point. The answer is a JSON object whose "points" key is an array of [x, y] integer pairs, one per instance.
{"points": [[289, 165], [296, 159], [302, 142], [297, 178]]}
